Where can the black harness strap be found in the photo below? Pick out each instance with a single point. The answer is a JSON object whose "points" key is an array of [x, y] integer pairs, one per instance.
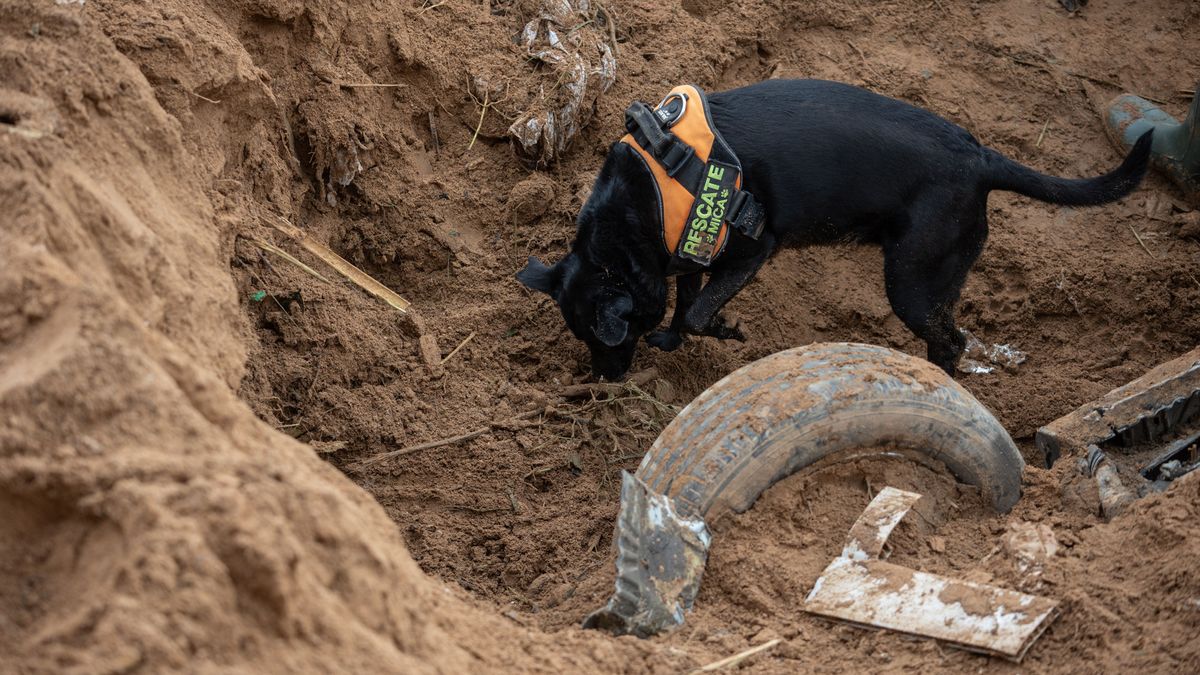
{"points": [[746, 214], [676, 157]]}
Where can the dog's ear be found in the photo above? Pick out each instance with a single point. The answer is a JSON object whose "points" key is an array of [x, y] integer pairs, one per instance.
{"points": [[536, 276], [611, 325]]}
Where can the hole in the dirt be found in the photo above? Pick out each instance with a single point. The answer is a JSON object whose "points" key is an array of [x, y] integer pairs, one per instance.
{"points": [[9, 117]]}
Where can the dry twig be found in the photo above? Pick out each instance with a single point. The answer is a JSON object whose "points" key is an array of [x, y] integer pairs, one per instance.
{"points": [[736, 658], [591, 388], [437, 143], [1046, 67], [864, 60], [484, 107], [482, 113], [612, 27], [202, 97], [359, 85], [288, 257], [453, 439], [1139, 240], [460, 346]]}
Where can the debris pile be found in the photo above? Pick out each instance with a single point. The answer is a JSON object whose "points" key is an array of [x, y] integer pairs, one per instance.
{"points": [[573, 44]]}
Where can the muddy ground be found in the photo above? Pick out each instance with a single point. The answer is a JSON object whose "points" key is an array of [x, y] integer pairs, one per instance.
{"points": [[155, 524]]}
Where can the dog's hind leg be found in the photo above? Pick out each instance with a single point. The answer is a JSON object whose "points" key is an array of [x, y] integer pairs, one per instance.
{"points": [[687, 286], [924, 271]]}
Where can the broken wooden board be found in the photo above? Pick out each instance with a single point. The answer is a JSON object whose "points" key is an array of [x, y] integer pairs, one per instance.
{"points": [[859, 588]]}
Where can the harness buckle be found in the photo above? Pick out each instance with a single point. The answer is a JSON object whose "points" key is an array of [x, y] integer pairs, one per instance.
{"points": [[677, 157], [745, 214]]}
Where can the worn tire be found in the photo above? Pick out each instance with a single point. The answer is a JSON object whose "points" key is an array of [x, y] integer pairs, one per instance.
{"points": [[782, 413]]}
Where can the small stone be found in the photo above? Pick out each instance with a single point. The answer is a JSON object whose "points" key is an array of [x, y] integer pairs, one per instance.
{"points": [[938, 544], [530, 199], [1189, 224]]}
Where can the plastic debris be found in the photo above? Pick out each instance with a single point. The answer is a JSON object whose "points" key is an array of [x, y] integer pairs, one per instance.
{"points": [[258, 296], [581, 66], [859, 588], [1114, 496], [981, 359]]}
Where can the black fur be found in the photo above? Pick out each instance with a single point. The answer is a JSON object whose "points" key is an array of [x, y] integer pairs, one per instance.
{"points": [[831, 163]]}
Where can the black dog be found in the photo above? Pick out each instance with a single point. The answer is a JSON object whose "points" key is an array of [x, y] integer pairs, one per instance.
{"points": [[831, 163]]}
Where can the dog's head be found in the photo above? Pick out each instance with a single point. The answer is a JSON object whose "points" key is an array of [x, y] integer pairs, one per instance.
{"points": [[605, 288], [598, 310]]}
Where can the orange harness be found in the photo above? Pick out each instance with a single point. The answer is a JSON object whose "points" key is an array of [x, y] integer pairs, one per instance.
{"points": [[697, 175]]}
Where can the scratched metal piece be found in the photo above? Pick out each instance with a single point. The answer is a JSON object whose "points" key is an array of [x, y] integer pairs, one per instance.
{"points": [[762, 423], [1145, 409], [859, 588], [660, 561]]}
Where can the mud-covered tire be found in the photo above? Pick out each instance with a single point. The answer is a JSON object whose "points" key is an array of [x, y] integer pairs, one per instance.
{"points": [[789, 410]]}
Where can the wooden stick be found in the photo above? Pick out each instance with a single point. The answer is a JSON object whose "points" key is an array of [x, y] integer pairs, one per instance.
{"points": [[437, 143], [482, 114], [202, 97], [288, 257], [355, 85], [1139, 238], [590, 388], [460, 346], [737, 658], [449, 441], [359, 277], [1042, 135]]}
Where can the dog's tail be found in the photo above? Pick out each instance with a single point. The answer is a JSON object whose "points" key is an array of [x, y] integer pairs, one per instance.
{"points": [[1003, 173]]}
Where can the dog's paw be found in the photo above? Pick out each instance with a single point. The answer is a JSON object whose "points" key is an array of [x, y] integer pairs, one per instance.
{"points": [[666, 340], [722, 329]]}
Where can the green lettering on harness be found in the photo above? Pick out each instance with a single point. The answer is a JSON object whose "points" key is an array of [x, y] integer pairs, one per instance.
{"points": [[703, 230]]}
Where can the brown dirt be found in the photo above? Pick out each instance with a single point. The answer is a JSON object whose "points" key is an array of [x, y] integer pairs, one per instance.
{"points": [[159, 517]]}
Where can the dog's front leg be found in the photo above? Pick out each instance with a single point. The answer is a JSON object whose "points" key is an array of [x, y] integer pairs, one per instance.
{"points": [[687, 287], [704, 316]]}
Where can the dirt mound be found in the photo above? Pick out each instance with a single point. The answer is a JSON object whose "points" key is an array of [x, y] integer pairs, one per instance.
{"points": [[155, 358], [151, 521]]}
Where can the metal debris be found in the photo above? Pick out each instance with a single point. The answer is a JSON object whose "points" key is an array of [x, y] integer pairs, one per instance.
{"points": [[1144, 410], [661, 558], [860, 588], [1180, 457]]}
